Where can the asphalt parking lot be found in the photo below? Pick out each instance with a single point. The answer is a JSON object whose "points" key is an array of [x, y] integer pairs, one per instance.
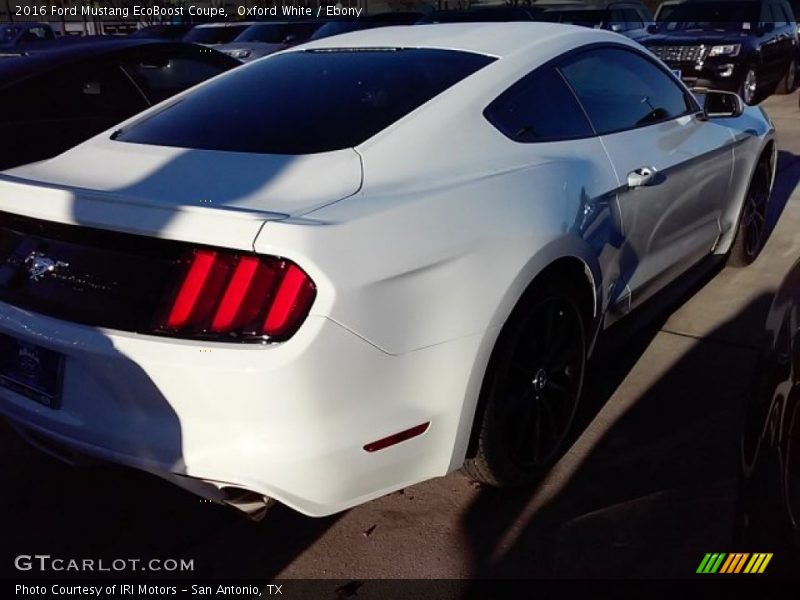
{"points": [[647, 488]]}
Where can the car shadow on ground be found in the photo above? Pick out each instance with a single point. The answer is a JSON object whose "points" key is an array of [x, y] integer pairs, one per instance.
{"points": [[786, 179], [650, 483]]}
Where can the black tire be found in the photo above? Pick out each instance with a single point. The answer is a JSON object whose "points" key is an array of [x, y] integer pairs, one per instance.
{"points": [[531, 389], [788, 82], [749, 84], [751, 229]]}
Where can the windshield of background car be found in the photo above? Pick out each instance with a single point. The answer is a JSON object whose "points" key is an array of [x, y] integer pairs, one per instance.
{"points": [[733, 15], [337, 27], [306, 102], [213, 35], [269, 33], [585, 18]]}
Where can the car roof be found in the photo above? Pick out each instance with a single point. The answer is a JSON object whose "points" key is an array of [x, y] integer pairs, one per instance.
{"points": [[59, 54], [493, 39]]}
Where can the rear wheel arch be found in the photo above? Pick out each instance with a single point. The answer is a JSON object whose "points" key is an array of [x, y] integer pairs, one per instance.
{"points": [[571, 270]]}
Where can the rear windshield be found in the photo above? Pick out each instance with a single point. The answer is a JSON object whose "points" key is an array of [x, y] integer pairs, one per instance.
{"points": [[305, 102]]}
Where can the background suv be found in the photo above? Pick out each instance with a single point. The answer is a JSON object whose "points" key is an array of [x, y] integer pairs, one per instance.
{"points": [[629, 18], [746, 46]]}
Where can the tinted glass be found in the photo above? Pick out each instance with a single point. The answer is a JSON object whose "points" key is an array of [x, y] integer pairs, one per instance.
{"points": [[721, 14], [586, 18], [276, 33], [788, 14], [633, 19], [162, 75], [96, 93], [539, 108], [622, 90], [306, 102]]}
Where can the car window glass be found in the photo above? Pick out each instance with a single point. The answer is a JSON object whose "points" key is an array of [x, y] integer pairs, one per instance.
{"points": [[539, 108], [104, 93], [766, 13], [789, 11], [620, 89], [788, 14], [316, 101], [632, 19], [162, 75], [82, 94], [617, 17], [777, 15]]}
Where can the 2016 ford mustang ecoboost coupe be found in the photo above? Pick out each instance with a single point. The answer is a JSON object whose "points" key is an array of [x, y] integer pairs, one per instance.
{"points": [[363, 262]]}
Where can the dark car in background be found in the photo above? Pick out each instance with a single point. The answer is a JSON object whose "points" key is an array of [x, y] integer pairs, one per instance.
{"points": [[262, 39], [52, 100], [339, 26], [163, 31], [499, 14], [768, 515], [746, 46], [629, 18], [665, 9], [15, 37]]}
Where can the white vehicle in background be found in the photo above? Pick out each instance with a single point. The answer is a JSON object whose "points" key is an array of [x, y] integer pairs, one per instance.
{"points": [[363, 262]]}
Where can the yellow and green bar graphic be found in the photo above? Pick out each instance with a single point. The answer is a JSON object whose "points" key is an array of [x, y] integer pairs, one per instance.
{"points": [[741, 562]]}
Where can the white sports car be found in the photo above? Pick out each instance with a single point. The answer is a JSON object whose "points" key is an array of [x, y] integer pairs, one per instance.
{"points": [[363, 262]]}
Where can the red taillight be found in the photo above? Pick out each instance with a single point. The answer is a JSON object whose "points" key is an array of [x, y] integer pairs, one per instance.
{"points": [[189, 294], [239, 297], [296, 291]]}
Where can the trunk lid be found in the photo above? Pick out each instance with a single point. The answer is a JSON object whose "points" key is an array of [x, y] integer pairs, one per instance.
{"points": [[153, 189]]}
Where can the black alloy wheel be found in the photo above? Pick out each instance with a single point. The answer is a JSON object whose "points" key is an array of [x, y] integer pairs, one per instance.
{"points": [[533, 392], [751, 234]]}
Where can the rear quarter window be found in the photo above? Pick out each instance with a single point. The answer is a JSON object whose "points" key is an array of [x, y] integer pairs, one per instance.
{"points": [[306, 102], [540, 107]]}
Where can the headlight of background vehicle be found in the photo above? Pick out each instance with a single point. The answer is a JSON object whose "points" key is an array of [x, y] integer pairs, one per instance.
{"points": [[238, 53], [725, 50]]}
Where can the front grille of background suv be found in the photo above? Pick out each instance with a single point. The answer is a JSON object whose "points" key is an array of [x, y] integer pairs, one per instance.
{"points": [[680, 54]]}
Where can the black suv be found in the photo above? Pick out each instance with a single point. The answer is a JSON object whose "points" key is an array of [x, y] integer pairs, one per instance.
{"points": [[746, 46]]}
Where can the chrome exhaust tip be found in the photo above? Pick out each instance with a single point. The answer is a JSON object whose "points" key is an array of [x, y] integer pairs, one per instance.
{"points": [[254, 505]]}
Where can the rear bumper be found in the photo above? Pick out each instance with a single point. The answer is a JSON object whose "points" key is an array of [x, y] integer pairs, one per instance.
{"points": [[288, 421]]}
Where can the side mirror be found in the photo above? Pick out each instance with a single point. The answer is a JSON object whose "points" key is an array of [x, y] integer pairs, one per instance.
{"points": [[290, 39], [617, 27], [768, 27], [720, 105], [652, 28]]}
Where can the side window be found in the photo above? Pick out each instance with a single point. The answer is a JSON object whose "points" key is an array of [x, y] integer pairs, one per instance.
{"points": [[617, 17], [539, 108], [105, 92], [622, 90], [163, 75], [788, 14], [777, 15], [633, 19], [767, 14], [99, 93]]}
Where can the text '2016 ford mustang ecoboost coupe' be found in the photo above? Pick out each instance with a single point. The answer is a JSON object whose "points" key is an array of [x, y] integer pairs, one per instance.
{"points": [[363, 262]]}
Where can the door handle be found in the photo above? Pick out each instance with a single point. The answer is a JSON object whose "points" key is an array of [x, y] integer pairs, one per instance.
{"points": [[641, 177]]}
